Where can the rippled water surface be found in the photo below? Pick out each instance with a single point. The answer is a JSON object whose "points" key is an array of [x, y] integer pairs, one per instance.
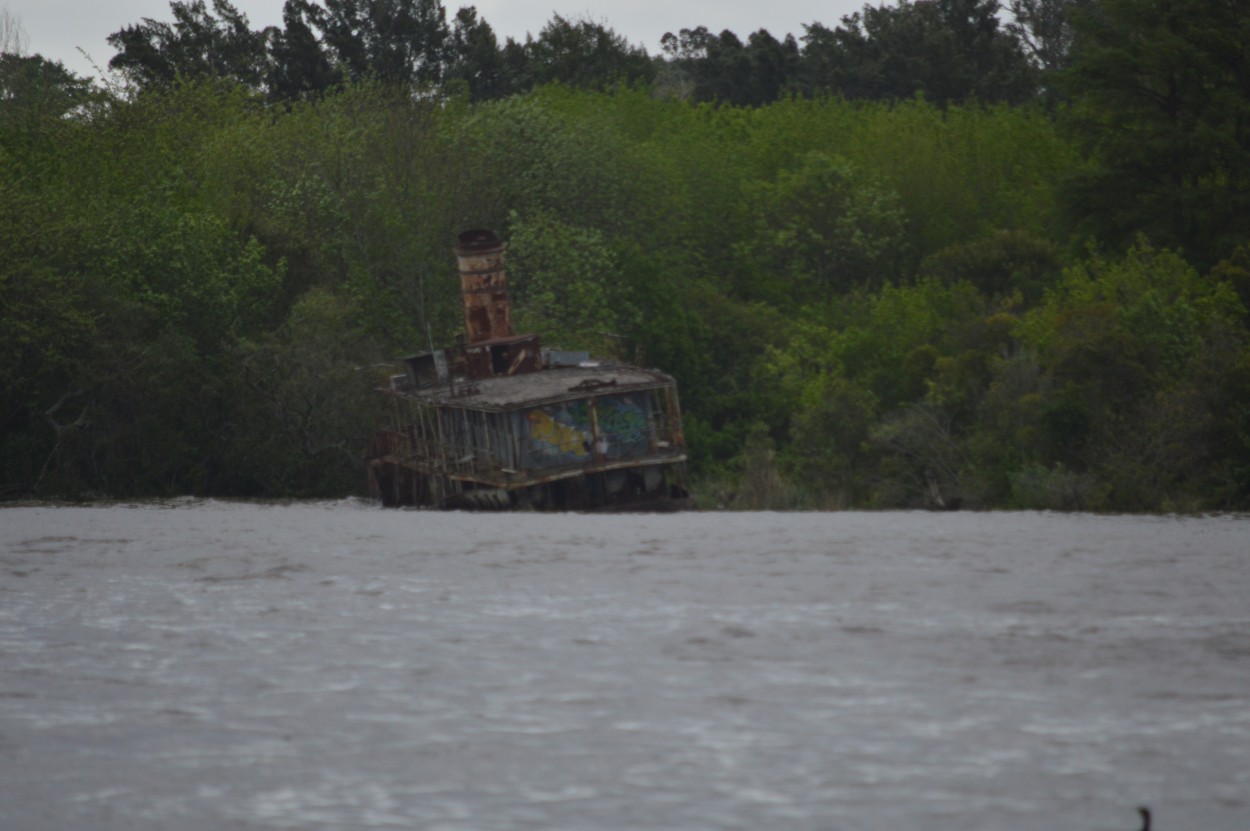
{"points": [[210, 665]]}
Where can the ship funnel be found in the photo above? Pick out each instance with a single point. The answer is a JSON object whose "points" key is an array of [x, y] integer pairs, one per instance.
{"points": [[484, 282]]}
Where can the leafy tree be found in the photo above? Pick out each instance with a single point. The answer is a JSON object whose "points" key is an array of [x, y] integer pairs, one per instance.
{"points": [[199, 44], [722, 68], [567, 284], [477, 60], [949, 51], [827, 227], [724, 401], [395, 41], [725, 73], [688, 45], [1139, 351], [34, 91], [760, 486], [965, 171], [47, 323], [123, 291], [301, 64], [367, 187], [708, 67], [999, 264], [535, 159], [774, 65], [1162, 104], [583, 54], [1152, 300], [120, 385], [306, 405], [881, 393], [683, 53], [1044, 29], [830, 431]]}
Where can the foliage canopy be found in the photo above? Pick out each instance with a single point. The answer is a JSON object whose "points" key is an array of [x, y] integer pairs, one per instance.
{"points": [[1024, 286]]}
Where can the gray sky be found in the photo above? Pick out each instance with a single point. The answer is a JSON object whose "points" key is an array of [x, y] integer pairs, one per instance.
{"points": [[57, 28]]}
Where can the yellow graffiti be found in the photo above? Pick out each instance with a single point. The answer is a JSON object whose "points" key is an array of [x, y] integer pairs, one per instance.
{"points": [[562, 437]]}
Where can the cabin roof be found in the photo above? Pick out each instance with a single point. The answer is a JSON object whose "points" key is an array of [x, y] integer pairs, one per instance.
{"points": [[543, 386]]}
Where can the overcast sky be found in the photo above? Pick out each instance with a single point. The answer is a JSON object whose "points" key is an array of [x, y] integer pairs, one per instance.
{"points": [[56, 29]]}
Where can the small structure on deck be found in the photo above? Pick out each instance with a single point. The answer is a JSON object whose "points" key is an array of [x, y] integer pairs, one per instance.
{"points": [[500, 423]]}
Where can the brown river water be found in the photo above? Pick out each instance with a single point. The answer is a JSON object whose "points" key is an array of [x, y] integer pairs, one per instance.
{"points": [[207, 666]]}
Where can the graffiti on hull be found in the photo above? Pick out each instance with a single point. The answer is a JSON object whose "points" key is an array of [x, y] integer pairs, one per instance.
{"points": [[565, 433], [555, 436]]}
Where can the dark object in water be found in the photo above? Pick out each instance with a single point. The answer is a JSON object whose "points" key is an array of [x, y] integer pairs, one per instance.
{"points": [[1145, 818], [499, 423]]}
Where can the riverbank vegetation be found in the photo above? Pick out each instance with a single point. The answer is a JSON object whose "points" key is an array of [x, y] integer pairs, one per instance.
{"points": [[921, 258]]}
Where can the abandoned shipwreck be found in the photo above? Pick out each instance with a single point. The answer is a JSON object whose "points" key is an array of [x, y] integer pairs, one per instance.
{"points": [[499, 423]]}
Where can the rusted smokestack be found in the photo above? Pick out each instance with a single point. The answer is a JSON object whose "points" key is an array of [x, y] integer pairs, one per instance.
{"points": [[484, 282]]}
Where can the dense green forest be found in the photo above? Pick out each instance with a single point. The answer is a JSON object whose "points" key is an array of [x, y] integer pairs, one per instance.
{"points": [[939, 251]]}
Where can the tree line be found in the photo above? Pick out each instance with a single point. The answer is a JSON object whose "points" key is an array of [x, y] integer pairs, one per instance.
{"points": [[947, 50], [877, 284]]}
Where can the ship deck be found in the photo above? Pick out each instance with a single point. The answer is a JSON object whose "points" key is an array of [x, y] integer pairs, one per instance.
{"points": [[547, 385]]}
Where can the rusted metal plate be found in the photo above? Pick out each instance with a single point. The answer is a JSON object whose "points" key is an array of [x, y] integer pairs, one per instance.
{"points": [[484, 283]]}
